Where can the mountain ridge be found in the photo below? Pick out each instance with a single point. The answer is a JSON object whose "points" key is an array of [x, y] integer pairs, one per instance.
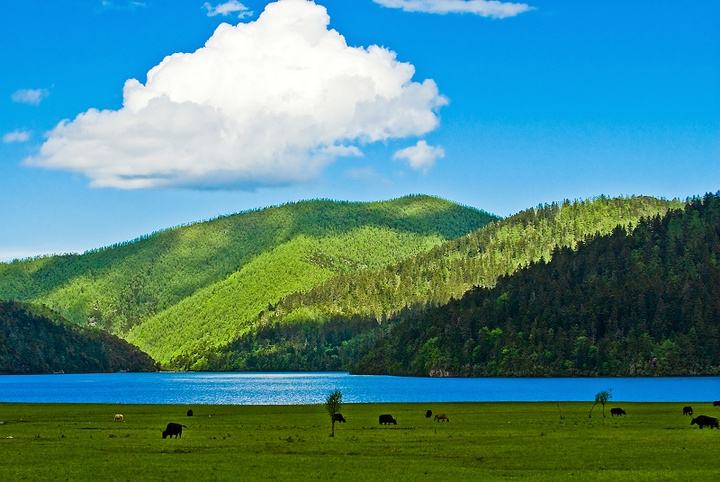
{"points": [[119, 288]]}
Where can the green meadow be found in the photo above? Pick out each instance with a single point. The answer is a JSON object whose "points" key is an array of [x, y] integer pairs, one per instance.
{"points": [[482, 441]]}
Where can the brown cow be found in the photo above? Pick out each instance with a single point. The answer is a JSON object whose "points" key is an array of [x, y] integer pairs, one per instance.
{"points": [[441, 417]]}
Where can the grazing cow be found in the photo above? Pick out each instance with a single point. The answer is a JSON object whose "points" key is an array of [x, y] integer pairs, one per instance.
{"points": [[190, 413], [338, 417], [173, 430], [428, 414], [703, 420], [441, 417], [617, 411], [716, 403], [387, 419], [119, 417], [687, 410]]}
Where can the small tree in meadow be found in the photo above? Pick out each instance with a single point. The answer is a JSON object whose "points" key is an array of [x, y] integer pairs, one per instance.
{"points": [[601, 398], [333, 403]]}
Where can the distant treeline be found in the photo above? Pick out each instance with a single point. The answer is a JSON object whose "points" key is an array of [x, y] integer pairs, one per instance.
{"points": [[36, 340]]}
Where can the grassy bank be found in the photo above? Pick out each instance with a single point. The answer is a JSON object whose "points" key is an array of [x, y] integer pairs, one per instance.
{"points": [[488, 441]]}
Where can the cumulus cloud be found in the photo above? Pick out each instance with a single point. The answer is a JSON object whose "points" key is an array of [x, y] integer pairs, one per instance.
{"points": [[17, 135], [421, 156], [29, 96], [483, 8], [227, 8], [264, 103]]}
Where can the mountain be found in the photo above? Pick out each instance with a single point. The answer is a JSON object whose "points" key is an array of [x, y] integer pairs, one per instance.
{"points": [[36, 340], [190, 289], [642, 301], [327, 326]]}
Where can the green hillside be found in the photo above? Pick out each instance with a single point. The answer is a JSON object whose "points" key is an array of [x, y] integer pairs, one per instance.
{"points": [[315, 328], [36, 340], [197, 287], [641, 302]]}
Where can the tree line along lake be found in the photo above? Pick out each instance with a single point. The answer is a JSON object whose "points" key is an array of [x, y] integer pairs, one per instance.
{"points": [[312, 387]]}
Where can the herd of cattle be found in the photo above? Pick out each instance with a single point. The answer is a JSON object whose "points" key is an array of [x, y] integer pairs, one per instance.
{"points": [[701, 421], [174, 430]]}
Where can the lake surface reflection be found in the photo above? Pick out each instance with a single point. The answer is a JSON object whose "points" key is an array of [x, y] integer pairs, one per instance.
{"points": [[308, 388]]}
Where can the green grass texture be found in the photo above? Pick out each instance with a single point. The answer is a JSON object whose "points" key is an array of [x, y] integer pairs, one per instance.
{"points": [[482, 441]]}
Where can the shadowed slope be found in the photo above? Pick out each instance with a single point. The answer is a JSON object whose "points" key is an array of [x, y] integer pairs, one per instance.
{"points": [[632, 302], [36, 340]]}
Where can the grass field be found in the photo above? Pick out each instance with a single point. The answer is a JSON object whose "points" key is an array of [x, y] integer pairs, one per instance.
{"points": [[483, 441]]}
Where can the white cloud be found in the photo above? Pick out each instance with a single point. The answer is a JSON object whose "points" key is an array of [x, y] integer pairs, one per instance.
{"points": [[264, 103], [421, 156], [226, 8], [16, 136], [484, 8], [29, 96]]}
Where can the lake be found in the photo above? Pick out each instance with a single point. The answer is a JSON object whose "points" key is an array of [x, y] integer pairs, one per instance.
{"points": [[307, 388]]}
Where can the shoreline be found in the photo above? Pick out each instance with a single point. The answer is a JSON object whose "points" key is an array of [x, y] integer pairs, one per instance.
{"points": [[347, 373]]}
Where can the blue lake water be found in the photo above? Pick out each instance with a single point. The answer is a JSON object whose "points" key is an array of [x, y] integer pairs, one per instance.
{"points": [[308, 388]]}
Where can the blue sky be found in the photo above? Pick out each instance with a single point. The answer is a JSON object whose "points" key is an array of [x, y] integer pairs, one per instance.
{"points": [[569, 99]]}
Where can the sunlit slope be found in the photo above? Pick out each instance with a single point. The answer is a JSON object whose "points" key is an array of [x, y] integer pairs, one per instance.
{"points": [[216, 315], [121, 286], [477, 259]]}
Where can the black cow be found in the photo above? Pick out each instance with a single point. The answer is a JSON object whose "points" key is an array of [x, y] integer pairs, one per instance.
{"points": [[190, 413], [617, 411], [703, 420], [716, 403], [387, 419], [173, 430], [338, 417], [687, 410], [428, 414]]}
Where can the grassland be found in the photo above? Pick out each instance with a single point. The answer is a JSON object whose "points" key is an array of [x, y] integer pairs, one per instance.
{"points": [[481, 442]]}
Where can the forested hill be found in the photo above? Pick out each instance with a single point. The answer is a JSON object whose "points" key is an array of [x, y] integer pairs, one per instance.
{"points": [[36, 340], [645, 302], [199, 286], [476, 259], [291, 336]]}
